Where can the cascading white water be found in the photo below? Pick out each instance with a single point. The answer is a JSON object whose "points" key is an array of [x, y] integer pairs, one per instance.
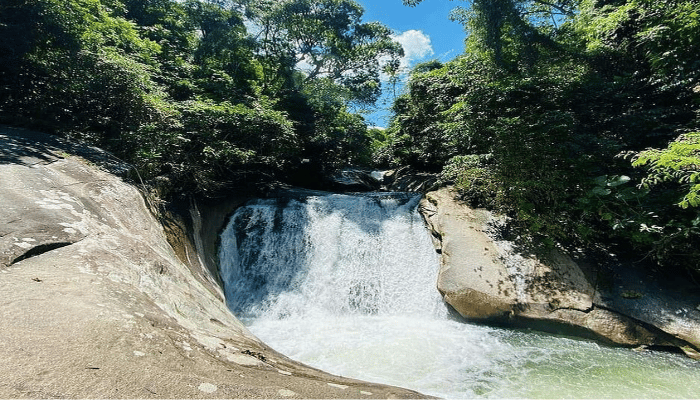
{"points": [[346, 283]]}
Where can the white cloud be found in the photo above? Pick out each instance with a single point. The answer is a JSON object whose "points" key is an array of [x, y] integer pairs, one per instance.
{"points": [[416, 46]]}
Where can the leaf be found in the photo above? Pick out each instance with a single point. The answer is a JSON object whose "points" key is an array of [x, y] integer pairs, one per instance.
{"points": [[601, 180], [599, 191], [618, 180]]}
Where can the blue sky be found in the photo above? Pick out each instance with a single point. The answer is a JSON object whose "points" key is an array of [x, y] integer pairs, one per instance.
{"points": [[425, 32]]}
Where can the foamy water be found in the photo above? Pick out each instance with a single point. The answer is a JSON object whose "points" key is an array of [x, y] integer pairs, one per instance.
{"points": [[347, 284]]}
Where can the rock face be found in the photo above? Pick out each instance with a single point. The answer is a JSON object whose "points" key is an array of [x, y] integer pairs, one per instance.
{"points": [[405, 179], [484, 278], [94, 301]]}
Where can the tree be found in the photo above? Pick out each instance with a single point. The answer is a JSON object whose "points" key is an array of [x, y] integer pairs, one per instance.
{"points": [[493, 23], [224, 55], [82, 69], [324, 39], [534, 118], [673, 177], [180, 89]]}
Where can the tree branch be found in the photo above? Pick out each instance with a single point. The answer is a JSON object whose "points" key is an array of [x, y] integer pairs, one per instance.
{"points": [[560, 8]]}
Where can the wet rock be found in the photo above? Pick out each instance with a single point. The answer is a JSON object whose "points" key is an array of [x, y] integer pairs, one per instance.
{"points": [[353, 180]]}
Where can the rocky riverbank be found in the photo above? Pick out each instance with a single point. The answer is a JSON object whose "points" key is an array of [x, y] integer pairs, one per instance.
{"points": [[97, 303], [487, 278], [102, 299]]}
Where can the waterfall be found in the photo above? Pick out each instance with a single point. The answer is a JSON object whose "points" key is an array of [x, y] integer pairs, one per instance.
{"points": [[330, 255], [346, 283]]}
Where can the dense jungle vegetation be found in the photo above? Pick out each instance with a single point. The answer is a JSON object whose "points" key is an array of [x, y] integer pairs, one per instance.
{"points": [[183, 90], [578, 118]]}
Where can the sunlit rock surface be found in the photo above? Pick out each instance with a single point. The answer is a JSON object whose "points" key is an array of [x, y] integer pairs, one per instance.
{"points": [[94, 301], [487, 278]]}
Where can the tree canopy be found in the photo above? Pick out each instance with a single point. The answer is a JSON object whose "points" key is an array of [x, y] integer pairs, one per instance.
{"points": [[577, 118], [197, 92], [326, 39]]}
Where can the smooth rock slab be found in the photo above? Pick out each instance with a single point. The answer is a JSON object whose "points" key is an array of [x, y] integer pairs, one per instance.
{"points": [[95, 303]]}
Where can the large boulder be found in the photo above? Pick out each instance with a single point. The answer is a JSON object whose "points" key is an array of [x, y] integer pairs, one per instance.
{"points": [[484, 277], [94, 301]]}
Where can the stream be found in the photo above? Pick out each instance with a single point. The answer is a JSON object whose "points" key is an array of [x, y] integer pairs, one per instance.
{"points": [[346, 283]]}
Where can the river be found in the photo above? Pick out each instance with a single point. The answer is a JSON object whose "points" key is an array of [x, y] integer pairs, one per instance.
{"points": [[346, 283]]}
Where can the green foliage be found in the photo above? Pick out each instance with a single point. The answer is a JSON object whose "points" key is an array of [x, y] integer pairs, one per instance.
{"points": [[474, 178], [512, 32], [79, 75], [679, 163], [553, 104], [529, 121], [424, 137], [223, 139], [324, 39], [336, 136], [224, 54], [184, 92]]}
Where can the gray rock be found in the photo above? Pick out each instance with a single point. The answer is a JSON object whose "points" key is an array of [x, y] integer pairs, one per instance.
{"points": [[354, 180], [485, 278], [405, 179], [94, 301]]}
